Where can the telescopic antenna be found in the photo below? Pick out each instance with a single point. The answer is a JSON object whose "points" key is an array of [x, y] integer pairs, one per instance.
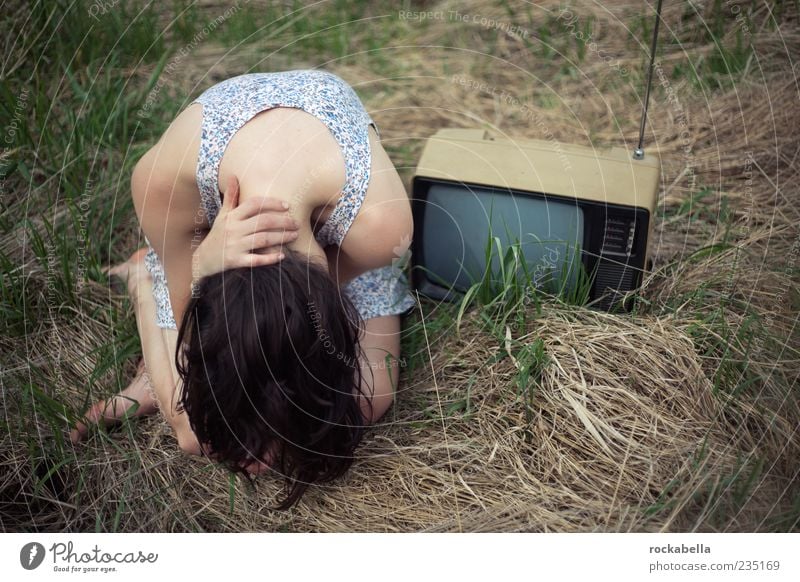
{"points": [[638, 153]]}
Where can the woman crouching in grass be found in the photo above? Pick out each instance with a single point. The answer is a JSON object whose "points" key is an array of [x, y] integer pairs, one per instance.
{"points": [[282, 295]]}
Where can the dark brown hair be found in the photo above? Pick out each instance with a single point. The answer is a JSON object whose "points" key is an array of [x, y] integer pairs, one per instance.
{"points": [[270, 356]]}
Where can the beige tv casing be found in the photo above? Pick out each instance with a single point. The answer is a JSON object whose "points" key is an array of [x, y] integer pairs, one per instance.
{"points": [[605, 175]]}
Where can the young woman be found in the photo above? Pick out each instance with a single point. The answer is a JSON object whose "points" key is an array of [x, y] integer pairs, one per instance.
{"points": [[288, 319]]}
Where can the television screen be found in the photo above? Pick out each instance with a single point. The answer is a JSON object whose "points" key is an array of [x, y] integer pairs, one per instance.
{"points": [[459, 219]]}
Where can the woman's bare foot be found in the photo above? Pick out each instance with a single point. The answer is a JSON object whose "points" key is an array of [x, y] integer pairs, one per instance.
{"points": [[131, 271], [109, 412]]}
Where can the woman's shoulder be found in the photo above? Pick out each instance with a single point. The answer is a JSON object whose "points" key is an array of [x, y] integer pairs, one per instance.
{"points": [[170, 164], [384, 226]]}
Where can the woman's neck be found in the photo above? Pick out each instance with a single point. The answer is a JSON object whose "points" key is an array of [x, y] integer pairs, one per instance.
{"points": [[302, 208], [288, 154]]}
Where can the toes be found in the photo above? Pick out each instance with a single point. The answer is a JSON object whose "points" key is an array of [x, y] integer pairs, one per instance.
{"points": [[116, 271], [76, 435], [96, 413], [81, 427], [111, 411], [105, 412], [139, 255]]}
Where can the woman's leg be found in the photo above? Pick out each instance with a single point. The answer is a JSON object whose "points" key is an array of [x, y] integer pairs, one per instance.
{"points": [[110, 411], [380, 367]]}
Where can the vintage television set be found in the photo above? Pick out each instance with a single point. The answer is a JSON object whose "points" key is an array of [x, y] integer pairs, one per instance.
{"points": [[579, 215], [567, 206]]}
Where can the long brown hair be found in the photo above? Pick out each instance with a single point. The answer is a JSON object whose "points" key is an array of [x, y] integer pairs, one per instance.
{"points": [[271, 357]]}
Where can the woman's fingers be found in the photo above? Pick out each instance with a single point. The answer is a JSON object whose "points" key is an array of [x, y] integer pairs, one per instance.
{"points": [[267, 240], [275, 249], [262, 260], [231, 198], [255, 467], [262, 465], [229, 243], [259, 205], [268, 221]]}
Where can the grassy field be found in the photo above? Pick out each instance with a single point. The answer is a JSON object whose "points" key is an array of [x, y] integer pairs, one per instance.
{"points": [[512, 415]]}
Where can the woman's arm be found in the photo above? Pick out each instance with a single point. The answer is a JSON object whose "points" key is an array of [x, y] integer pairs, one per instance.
{"points": [[162, 207], [383, 228], [157, 346], [167, 216]]}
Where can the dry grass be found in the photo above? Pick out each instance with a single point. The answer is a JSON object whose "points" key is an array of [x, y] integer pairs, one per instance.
{"points": [[635, 423]]}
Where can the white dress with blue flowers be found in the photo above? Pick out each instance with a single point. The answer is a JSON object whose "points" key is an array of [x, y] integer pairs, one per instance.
{"points": [[228, 105]]}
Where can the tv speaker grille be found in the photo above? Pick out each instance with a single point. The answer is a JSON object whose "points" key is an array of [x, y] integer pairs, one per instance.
{"points": [[612, 280], [616, 236]]}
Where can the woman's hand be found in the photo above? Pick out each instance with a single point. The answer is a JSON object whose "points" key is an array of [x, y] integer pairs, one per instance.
{"points": [[250, 235]]}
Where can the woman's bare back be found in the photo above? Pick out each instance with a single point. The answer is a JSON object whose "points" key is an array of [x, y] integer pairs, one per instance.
{"points": [[288, 154]]}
